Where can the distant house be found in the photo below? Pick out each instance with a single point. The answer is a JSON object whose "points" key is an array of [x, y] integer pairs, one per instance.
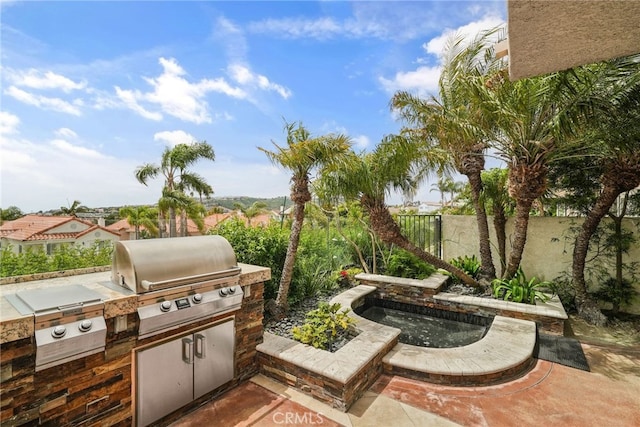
{"points": [[50, 232], [127, 231]]}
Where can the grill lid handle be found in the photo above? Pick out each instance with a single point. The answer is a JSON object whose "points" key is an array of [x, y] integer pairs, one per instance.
{"points": [[185, 280]]}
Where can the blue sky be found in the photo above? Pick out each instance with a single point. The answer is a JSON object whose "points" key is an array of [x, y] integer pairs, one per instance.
{"points": [[90, 90]]}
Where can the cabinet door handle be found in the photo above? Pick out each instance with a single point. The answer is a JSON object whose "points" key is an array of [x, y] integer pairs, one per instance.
{"points": [[187, 350], [201, 346]]}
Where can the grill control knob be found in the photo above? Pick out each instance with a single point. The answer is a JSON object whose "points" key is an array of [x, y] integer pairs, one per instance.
{"points": [[85, 325], [58, 331], [165, 306], [197, 299], [231, 290], [223, 292]]}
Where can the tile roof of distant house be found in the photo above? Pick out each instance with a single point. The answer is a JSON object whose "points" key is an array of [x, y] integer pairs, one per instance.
{"points": [[35, 227]]}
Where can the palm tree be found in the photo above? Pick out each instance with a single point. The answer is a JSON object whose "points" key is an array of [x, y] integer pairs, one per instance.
{"points": [[455, 123], [178, 179], [141, 216], [301, 156], [257, 208], [397, 164], [441, 187], [613, 139], [531, 118], [73, 210]]}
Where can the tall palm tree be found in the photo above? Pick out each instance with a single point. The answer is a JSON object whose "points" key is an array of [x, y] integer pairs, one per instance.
{"points": [[531, 118], [455, 123], [141, 216], [397, 164], [302, 155], [613, 140], [174, 166]]}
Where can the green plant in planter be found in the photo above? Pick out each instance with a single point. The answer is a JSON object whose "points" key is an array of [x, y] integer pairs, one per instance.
{"points": [[405, 264], [519, 289], [323, 326], [470, 265]]}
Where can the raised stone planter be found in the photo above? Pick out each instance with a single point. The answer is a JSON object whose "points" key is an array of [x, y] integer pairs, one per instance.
{"points": [[549, 316], [340, 378]]}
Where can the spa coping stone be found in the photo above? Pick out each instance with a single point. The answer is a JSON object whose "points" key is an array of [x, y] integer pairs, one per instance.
{"points": [[506, 348]]}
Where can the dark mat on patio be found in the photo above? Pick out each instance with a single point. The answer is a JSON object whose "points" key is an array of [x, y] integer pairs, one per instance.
{"points": [[563, 350]]}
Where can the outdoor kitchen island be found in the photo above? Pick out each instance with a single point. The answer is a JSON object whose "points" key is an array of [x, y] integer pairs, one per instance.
{"points": [[216, 322]]}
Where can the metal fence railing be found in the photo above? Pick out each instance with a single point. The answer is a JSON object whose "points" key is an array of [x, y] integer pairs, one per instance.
{"points": [[424, 231]]}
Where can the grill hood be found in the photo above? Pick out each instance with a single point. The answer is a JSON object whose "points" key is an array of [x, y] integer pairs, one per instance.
{"points": [[154, 264]]}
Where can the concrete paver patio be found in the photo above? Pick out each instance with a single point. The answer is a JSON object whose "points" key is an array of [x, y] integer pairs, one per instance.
{"points": [[548, 395]]}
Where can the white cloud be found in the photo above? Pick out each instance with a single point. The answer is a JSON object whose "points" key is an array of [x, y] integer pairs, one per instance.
{"points": [[66, 133], [423, 80], [46, 103], [437, 45], [176, 96], [8, 123], [174, 137], [129, 99], [244, 76], [36, 79], [321, 28], [385, 20], [231, 38], [76, 150], [44, 175], [361, 141]]}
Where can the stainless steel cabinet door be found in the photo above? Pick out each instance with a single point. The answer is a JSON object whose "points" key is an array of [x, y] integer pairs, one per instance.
{"points": [[164, 379], [213, 355]]}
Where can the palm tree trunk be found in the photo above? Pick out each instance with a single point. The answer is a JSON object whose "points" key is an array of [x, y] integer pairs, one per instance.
{"points": [[487, 270], [388, 230], [520, 227], [499, 224], [162, 224], [587, 307], [282, 303], [172, 222], [527, 182]]}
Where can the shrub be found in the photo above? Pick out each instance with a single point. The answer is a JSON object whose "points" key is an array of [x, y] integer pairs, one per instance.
{"points": [[346, 277], [65, 257], [405, 264], [264, 246], [618, 294], [470, 265], [323, 326], [519, 289]]}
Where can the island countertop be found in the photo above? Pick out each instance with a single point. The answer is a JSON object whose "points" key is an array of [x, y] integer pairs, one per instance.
{"points": [[117, 302]]}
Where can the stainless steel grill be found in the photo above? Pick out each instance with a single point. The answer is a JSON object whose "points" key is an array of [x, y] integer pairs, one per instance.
{"points": [[179, 280], [156, 264]]}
